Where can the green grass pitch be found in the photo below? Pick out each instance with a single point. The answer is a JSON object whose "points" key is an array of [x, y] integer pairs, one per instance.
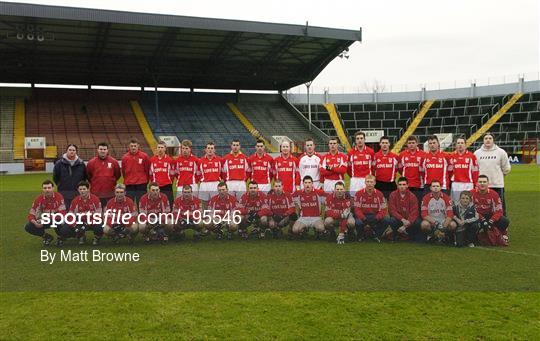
{"points": [[274, 288]]}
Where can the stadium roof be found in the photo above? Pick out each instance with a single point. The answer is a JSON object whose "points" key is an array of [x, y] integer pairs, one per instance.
{"points": [[66, 45]]}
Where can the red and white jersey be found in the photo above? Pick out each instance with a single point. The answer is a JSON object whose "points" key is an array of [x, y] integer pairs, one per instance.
{"points": [[254, 203], [310, 165], [286, 170], [185, 169], [385, 166], [464, 167], [80, 205], [338, 162], [369, 203], [210, 169], [235, 167], [335, 206], [149, 205], [437, 208], [488, 204], [360, 162], [186, 206], [261, 168], [309, 202], [91, 204], [435, 167], [220, 205], [281, 204], [410, 166], [42, 204], [162, 170], [103, 174], [125, 207]]}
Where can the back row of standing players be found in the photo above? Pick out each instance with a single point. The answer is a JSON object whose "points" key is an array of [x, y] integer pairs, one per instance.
{"points": [[456, 172]]}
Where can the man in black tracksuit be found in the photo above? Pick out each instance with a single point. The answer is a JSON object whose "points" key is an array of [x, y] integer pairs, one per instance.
{"points": [[68, 172]]}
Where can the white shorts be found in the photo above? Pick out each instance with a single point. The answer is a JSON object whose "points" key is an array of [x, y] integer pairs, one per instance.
{"points": [[329, 185], [458, 187], [194, 190], [356, 185], [265, 188], [309, 221], [236, 188], [207, 190], [316, 185]]}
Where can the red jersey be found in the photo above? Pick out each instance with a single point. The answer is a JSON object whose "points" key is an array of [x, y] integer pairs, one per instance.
{"points": [[257, 203], [438, 209], [210, 169], [91, 204], [281, 204], [286, 170], [42, 204], [184, 206], [125, 208], [403, 206], [464, 167], [185, 169], [385, 166], [366, 203], [135, 168], [360, 162], [103, 174], [410, 166], [219, 205], [488, 204], [162, 170], [261, 168], [235, 167], [148, 205], [335, 207], [338, 162], [309, 202], [435, 167]]}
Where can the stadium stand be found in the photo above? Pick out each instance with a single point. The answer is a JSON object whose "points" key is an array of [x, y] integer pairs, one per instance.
{"points": [[7, 119], [83, 118], [393, 118], [271, 117], [462, 116], [198, 117]]}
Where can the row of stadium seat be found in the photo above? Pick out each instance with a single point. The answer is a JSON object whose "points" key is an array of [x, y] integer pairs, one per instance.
{"points": [[457, 116], [7, 112]]}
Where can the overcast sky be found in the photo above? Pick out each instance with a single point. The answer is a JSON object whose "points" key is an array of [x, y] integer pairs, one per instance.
{"points": [[405, 43]]}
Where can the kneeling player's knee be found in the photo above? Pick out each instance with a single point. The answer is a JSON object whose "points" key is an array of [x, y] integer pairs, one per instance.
{"points": [[134, 228], [143, 227], [297, 228], [107, 230], [319, 226], [233, 227], [350, 222], [328, 222], [272, 224], [425, 226], [264, 221]]}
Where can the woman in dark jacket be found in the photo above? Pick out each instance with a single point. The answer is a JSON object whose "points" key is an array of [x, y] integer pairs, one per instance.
{"points": [[68, 172]]}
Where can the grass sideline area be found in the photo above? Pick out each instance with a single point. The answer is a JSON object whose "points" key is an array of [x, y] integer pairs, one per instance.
{"points": [[274, 289]]}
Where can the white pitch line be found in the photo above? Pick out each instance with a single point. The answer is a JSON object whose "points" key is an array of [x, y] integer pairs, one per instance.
{"points": [[505, 251]]}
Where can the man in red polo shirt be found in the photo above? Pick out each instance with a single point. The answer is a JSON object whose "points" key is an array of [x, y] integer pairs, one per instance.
{"points": [[235, 170], [103, 172], [120, 216], [360, 160], [162, 170], [281, 205], [253, 207], [135, 170], [286, 168], [333, 166], [370, 210], [385, 166], [489, 206], [223, 205], [404, 213], [339, 213], [185, 167], [262, 167]]}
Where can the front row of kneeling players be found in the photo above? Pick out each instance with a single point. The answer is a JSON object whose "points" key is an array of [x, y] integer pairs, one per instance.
{"points": [[366, 215]]}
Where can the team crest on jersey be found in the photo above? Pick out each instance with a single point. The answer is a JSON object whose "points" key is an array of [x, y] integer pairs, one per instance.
{"points": [[109, 165], [140, 161]]}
